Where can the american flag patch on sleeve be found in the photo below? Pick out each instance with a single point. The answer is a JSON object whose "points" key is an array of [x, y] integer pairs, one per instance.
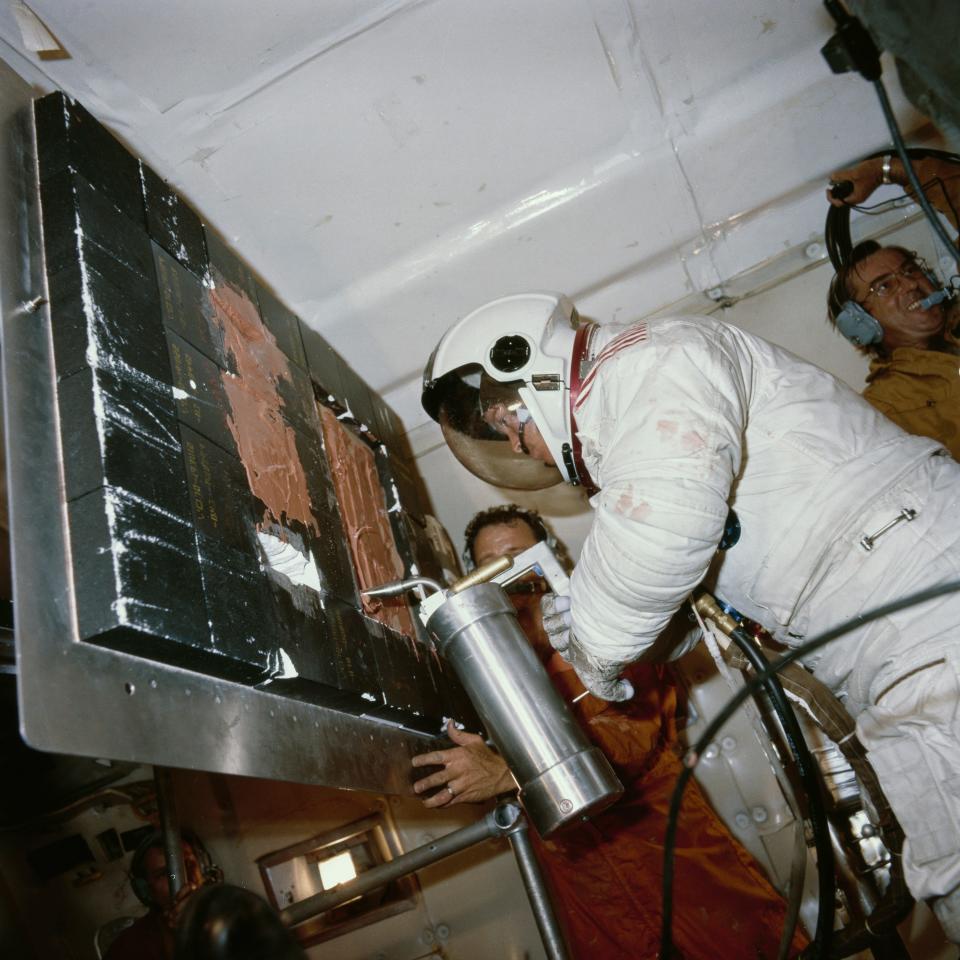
{"points": [[635, 334]]}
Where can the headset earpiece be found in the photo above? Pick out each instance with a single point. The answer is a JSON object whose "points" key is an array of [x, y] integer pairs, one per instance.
{"points": [[138, 881], [858, 326]]}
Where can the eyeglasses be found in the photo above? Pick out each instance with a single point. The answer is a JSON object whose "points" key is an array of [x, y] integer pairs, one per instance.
{"points": [[506, 420], [888, 284]]}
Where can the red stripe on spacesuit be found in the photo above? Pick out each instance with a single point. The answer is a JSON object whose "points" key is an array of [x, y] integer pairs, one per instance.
{"points": [[628, 338]]}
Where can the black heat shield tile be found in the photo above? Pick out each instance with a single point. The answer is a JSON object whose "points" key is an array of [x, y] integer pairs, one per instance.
{"points": [[136, 578], [201, 400], [345, 636], [76, 217], [421, 664], [185, 306], [89, 313], [406, 681], [283, 323], [119, 430], [325, 366], [402, 533], [238, 604], [327, 542], [404, 476], [299, 407], [388, 426], [223, 507], [230, 267], [456, 703], [356, 398], [68, 135], [415, 535], [173, 224], [395, 663], [301, 632]]}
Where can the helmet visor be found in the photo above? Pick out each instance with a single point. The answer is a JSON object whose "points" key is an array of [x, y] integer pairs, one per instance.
{"points": [[483, 422]]}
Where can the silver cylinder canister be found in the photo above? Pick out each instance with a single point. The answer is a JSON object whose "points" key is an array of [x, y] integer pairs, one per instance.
{"points": [[562, 776]]}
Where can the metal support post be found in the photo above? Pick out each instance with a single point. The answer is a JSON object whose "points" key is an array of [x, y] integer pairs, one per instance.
{"points": [[170, 828], [543, 912], [507, 820]]}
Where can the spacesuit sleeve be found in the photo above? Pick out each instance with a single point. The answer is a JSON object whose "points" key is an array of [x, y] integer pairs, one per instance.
{"points": [[672, 419]]}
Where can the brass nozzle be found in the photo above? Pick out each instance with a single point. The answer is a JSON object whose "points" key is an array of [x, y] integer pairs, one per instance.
{"points": [[482, 574], [708, 608]]}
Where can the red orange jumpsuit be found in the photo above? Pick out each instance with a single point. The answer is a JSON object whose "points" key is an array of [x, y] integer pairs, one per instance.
{"points": [[605, 875]]}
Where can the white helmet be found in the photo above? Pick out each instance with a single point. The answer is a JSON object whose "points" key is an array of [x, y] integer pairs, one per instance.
{"points": [[509, 360]]}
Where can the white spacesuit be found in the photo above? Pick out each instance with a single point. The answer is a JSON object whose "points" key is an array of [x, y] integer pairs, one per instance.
{"points": [[682, 419], [699, 416]]}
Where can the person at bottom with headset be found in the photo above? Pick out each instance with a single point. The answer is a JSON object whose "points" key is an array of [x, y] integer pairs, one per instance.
{"points": [[151, 937], [605, 875], [892, 307]]}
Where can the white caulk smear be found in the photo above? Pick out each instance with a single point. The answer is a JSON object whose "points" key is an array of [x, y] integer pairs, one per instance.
{"points": [[280, 666], [284, 558], [180, 394]]}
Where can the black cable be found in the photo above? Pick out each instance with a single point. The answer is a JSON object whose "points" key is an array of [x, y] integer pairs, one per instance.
{"points": [[873, 209], [836, 229], [749, 689], [812, 784], [908, 168]]}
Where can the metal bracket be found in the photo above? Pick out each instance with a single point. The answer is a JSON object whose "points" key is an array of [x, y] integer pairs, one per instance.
{"points": [[868, 540]]}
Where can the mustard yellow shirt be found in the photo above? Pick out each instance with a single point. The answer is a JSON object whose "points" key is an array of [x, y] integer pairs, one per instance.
{"points": [[920, 391]]}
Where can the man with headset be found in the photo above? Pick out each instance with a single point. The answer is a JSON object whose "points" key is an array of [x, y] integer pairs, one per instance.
{"points": [[678, 423], [151, 937], [608, 914], [887, 303]]}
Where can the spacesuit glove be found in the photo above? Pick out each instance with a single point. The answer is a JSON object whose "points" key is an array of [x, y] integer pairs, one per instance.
{"points": [[601, 677]]}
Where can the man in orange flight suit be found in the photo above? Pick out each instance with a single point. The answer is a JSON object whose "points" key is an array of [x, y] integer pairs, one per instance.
{"points": [[913, 377], [605, 875]]}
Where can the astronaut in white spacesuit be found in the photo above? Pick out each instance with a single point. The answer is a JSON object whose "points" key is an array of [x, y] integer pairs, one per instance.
{"points": [[678, 422]]}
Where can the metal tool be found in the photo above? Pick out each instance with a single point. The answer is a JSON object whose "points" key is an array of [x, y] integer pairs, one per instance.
{"points": [[562, 777]]}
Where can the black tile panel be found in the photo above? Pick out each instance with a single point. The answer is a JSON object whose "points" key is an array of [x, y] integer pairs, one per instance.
{"points": [[69, 136], [238, 603], [327, 541], [357, 399], [120, 430], [325, 366], [173, 223], [199, 394], [136, 575], [299, 405], [301, 632], [404, 476], [388, 426], [283, 323], [185, 307], [346, 635], [76, 216], [91, 316], [222, 505], [225, 263]]}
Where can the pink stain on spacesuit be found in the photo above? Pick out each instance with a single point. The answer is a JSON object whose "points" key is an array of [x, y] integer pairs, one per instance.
{"points": [[692, 441], [628, 507], [667, 428]]}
